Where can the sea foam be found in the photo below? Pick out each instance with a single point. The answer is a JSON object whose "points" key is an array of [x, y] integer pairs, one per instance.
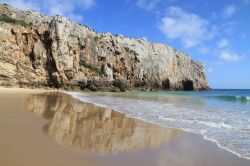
{"points": [[229, 129]]}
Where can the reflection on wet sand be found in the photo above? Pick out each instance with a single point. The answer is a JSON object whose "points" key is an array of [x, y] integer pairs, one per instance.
{"points": [[94, 129]]}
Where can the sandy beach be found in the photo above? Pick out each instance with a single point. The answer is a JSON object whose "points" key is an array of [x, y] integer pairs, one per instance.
{"points": [[50, 128]]}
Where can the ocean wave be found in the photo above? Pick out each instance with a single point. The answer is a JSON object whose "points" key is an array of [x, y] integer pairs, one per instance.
{"points": [[220, 125], [229, 129], [234, 98]]}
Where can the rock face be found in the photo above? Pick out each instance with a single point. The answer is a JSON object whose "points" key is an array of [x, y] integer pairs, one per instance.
{"points": [[56, 52]]}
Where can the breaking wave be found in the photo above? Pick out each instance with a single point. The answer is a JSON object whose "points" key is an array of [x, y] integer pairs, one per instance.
{"points": [[235, 98]]}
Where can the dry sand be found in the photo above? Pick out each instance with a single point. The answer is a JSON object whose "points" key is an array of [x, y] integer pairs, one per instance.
{"points": [[50, 128]]}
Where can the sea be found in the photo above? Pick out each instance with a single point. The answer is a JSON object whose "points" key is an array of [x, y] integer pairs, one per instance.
{"points": [[221, 116]]}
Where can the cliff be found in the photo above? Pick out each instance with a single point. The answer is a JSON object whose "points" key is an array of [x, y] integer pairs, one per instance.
{"points": [[42, 51]]}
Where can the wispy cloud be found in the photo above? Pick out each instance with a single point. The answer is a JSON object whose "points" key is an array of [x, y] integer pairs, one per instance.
{"points": [[204, 50], [223, 43], [230, 56], [229, 10], [189, 28], [224, 52], [147, 4], [53, 7], [22, 4]]}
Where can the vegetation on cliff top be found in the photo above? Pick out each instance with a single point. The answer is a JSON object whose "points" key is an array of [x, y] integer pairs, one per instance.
{"points": [[8, 19]]}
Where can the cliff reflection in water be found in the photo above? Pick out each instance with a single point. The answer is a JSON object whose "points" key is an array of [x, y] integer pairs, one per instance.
{"points": [[94, 129]]}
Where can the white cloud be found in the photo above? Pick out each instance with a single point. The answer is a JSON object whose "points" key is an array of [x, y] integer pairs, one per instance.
{"points": [[228, 11], [230, 56], [204, 50], [147, 4], [223, 43], [229, 27], [225, 54], [189, 28], [88, 3], [67, 8], [22, 4]]}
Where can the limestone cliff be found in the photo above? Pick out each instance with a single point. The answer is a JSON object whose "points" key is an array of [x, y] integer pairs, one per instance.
{"points": [[56, 52]]}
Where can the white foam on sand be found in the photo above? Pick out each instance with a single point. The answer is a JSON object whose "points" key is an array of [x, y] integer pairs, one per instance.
{"points": [[229, 130]]}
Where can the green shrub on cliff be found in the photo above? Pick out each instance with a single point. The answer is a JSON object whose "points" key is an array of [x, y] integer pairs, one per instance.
{"points": [[5, 4], [89, 66], [8, 19]]}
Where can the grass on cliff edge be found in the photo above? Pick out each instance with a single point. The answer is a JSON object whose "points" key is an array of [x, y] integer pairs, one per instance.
{"points": [[8, 19]]}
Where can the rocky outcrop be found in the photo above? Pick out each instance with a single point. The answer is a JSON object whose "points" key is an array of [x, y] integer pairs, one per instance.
{"points": [[56, 52]]}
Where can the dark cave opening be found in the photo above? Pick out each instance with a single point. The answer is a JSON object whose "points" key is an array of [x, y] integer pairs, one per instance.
{"points": [[188, 85]]}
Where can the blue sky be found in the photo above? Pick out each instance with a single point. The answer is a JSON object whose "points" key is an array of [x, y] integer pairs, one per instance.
{"points": [[216, 32]]}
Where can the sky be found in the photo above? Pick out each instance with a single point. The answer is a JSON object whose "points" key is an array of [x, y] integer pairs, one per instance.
{"points": [[215, 32]]}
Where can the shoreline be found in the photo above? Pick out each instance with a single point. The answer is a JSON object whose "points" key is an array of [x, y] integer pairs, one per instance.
{"points": [[199, 138], [71, 93]]}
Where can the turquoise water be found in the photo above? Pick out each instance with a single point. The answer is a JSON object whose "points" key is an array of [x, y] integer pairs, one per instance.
{"points": [[222, 116]]}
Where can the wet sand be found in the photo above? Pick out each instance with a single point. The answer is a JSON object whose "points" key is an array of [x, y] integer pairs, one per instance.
{"points": [[38, 127]]}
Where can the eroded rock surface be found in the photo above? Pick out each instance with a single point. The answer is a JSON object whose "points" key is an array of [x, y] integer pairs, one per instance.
{"points": [[56, 52]]}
